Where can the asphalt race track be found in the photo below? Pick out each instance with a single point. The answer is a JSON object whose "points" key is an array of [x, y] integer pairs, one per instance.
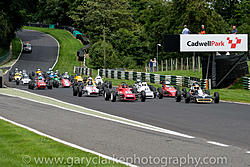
{"points": [[224, 122], [114, 139], [44, 51]]}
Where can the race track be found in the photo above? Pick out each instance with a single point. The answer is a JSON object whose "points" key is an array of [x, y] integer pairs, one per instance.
{"points": [[44, 51], [224, 122]]}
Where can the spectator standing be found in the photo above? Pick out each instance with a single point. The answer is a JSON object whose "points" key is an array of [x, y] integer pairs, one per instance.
{"points": [[185, 30], [234, 30], [203, 31], [154, 64], [151, 65]]}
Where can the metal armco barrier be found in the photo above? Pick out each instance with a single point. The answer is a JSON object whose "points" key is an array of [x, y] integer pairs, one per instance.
{"points": [[246, 83], [149, 77]]}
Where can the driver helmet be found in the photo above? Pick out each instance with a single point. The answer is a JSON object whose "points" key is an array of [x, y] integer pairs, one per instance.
{"points": [[124, 85], [90, 78], [167, 82], [39, 74], [55, 75], [196, 87], [40, 77]]}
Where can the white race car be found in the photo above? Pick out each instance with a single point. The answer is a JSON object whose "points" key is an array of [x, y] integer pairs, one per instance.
{"points": [[98, 80], [143, 86], [89, 89], [25, 79]]}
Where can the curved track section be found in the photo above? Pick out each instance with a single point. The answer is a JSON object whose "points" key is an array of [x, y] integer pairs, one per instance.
{"points": [[44, 51]]}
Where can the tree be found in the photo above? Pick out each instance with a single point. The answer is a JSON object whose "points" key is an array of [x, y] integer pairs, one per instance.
{"points": [[54, 11], [92, 16], [97, 56]]}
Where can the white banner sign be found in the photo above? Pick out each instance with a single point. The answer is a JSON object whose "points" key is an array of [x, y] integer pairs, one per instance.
{"points": [[213, 42]]}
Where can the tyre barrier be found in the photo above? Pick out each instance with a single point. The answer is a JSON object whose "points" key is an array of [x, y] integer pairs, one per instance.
{"points": [[149, 77], [246, 83]]}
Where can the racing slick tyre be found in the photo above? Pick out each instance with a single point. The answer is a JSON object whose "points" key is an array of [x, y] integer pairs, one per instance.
{"points": [[113, 96], [177, 87], [216, 97], [110, 85], [143, 96], [178, 96], [10, 78], [17, 82], [208, 92], [188, 97], [184, 92], [79, 91], [134, 90], [50, 84], [160, 91], [31, 85], [152, 88], [107, 94], [74, 90], [55, 84]]}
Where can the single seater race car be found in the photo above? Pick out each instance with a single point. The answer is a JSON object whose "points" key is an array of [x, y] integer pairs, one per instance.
{"points": [[124, 93], [27, 48], [25, 79], [143, 86], [65, 80], [167, 89], [197, 95], [89, 88], [40, 83], [16, 76]]}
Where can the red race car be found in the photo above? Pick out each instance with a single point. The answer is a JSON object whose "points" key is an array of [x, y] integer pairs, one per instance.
{"points": [[124, 93], [167, 89], [40, 83], [65, 83]]}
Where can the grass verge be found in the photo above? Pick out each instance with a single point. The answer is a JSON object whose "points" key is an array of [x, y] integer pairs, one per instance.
{"points": [[16, 48], [20, 147], [68, 48], [187, 73], [236, 95]]}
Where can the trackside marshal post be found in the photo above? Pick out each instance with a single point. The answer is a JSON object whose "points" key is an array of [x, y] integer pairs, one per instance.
{"points": [[214, 43]]}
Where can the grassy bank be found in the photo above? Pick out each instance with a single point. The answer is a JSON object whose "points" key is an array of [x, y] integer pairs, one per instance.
{"points": [[68, 48], [16, 48], [188, 73], [236, 95], [20, 147]]}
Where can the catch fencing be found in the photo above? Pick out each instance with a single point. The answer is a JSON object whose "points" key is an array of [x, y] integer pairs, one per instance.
{"points": [[147, 77]]}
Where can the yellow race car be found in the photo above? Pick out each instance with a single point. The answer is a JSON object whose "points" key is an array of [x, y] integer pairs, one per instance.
{"points": [[16, 77]]}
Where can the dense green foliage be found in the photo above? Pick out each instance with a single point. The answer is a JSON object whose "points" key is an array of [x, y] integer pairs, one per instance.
{"points": [[132, 28]]}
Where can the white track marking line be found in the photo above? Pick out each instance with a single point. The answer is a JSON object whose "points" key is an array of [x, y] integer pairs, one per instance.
{"points": [[65, 142], [58, 51], [217, 144], [232, 102], [248, 152], [113, 118]]}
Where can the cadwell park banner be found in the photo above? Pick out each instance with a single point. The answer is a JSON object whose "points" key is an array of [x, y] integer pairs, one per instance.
{"points": [[214, 43]]}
